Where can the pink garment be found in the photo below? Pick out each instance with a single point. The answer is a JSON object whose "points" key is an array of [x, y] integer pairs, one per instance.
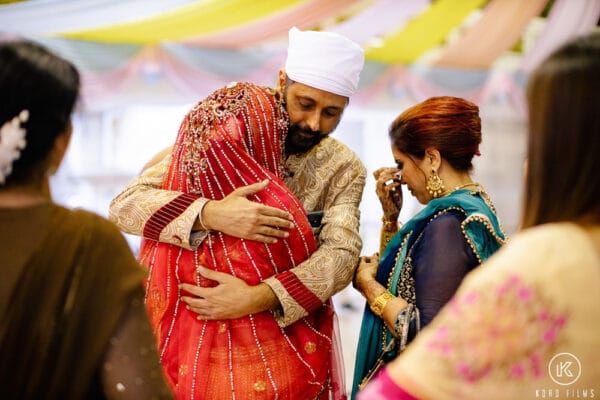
{"points": [[382, 387]]}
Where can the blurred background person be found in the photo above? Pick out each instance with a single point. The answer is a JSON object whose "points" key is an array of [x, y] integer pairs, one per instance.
{"points": [[73, 323], [526, 324], [433, 144]]}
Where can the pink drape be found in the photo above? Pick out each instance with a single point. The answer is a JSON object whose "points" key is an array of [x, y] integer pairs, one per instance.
{"points": [[381, 18], [497, 30], [154, 62], [567, 20], [304, 16], [97, 87], [198, 81]]}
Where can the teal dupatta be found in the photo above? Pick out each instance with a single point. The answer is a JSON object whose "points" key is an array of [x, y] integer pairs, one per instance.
{"points": [[483, 231]]}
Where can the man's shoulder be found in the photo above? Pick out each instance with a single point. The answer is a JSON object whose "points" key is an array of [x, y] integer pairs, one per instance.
{"points": [[333, 152]]}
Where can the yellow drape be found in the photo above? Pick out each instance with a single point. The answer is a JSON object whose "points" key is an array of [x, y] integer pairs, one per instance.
{"points": [[195, 19], [424, 32]]}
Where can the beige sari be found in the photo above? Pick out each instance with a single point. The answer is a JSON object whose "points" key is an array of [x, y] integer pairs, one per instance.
{"points": [[525, 325]]}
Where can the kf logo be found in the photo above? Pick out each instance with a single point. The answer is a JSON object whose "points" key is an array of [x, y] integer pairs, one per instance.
{"points": [[564, 369]]}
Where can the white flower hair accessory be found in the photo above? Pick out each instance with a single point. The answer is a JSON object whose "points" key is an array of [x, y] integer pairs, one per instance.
{"points": [[12, 141]]}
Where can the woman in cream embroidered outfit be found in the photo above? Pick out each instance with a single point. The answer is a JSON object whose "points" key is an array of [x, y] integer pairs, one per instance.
{"points": [[433, 144], [526, 324]]}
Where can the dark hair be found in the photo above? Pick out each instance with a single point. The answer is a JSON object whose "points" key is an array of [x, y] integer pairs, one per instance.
{"points": [[563, 163], [449, 124], [33, 78]]}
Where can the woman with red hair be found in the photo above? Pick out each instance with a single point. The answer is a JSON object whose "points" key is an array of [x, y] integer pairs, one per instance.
{"points": [[526, 324], [423, 264]]}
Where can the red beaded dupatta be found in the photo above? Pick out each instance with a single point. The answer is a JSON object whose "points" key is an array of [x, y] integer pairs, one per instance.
{"points": [[234, 138]]}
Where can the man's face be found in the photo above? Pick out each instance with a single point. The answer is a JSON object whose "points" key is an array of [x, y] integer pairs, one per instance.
{"points": [[313, 113]]}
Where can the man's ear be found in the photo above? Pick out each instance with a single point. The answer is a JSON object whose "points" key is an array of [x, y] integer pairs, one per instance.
{"points": [[433, 157], [281, 78]]}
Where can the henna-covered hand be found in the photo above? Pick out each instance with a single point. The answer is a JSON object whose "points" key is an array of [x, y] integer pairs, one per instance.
{"points": [[389, 191]]}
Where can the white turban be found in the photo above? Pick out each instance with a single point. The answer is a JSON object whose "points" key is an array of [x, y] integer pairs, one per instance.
{"points": [[324, 60]]}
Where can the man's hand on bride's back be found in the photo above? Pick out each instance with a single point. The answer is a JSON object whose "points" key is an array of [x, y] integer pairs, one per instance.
{"points": [[237, 216]]}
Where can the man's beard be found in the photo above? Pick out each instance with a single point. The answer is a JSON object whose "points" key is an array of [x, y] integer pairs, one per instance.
{"points": [[300, 140]]}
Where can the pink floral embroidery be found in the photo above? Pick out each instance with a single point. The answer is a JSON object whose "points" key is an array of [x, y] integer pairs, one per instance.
{"points": [[517, 371], [550, 335], [471, 297], [442, 332], [525, 294], [505, 331], [502, 290], [535, 361], [514, 280]]}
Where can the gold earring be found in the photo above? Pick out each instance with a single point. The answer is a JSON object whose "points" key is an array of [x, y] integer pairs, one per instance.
{"points": [[435, 185]]}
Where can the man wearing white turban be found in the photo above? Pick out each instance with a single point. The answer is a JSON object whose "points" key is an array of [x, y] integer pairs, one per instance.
{"points": [[324, 60], [320, 74]]}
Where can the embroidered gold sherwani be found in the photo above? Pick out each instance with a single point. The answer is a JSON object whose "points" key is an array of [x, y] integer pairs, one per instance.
{"points": [[330, 177]]}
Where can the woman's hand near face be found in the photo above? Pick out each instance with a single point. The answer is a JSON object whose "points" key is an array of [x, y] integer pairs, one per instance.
{"points": [[389, 191]]}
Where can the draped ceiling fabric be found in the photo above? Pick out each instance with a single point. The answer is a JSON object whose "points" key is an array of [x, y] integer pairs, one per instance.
{"points": [[500, 26], [194, 19], [423, 32], [180, 50], [567, 19], [304, 15], [48, 16]]}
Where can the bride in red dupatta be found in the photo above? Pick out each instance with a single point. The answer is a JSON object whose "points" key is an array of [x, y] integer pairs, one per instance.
{"points": [[234, 138]]}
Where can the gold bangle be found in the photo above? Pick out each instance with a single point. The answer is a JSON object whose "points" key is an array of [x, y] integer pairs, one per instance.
{"points": [[389, 226], [380, 302]]}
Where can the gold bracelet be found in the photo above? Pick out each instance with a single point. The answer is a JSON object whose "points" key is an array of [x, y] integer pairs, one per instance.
{"points": [[380, 302], [384, 238], [389, 226]]}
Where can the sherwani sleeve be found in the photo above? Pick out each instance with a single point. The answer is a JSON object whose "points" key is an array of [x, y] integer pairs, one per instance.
{"points": [[303, 289], [144, 209]]}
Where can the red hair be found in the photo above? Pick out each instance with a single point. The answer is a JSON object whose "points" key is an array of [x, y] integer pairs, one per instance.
{"points": [[449, 124]]}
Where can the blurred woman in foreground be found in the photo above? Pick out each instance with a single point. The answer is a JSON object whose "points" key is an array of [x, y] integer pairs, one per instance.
{"points": [[72, 318]]}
